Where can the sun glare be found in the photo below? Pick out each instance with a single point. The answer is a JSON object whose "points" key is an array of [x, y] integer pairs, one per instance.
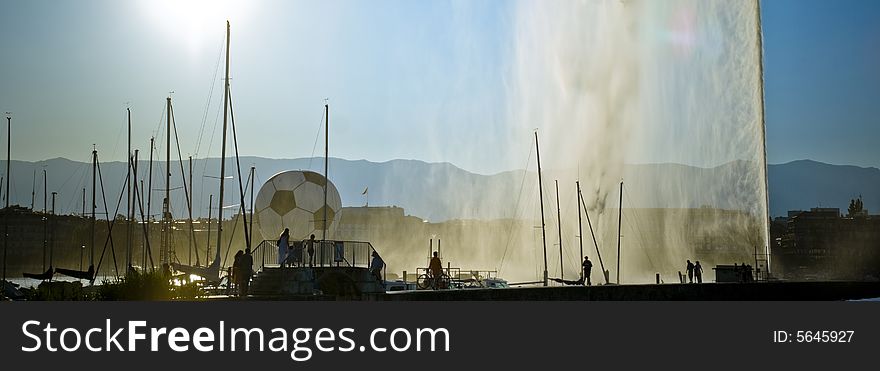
{"points": [[193, 23]]}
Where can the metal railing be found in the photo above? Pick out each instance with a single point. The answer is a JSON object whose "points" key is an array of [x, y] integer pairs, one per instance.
{"points": [[454, 278], [326, 254]]}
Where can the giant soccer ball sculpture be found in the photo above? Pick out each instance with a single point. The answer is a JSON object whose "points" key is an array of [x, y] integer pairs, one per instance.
{"points": [[295, 200]]}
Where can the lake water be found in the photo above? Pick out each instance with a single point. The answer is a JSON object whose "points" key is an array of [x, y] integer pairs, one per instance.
{"points": [[28, 282]]}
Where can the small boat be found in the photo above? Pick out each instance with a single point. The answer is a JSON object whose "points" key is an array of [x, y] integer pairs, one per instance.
{"points": [[41, 276], [83, 275]]}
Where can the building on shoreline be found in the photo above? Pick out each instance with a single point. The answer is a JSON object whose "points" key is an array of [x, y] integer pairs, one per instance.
{"points": [[822, 244]]}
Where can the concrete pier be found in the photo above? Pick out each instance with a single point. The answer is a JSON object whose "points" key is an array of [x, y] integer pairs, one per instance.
{"points": [[342, 282], [763, 291]]}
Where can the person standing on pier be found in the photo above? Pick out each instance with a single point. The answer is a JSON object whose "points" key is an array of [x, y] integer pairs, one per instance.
{"points": [[246, 269], [290, 259], [690, 269], [283, 245], [236, 269], [698, 272], [587, 266], [311, 250], [376, 267], [436, 269]]}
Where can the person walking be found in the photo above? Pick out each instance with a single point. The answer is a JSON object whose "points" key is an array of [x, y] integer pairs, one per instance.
{"points": [[283, 246], [246, 269], [587, 265], [690, 269], [698, 272]]}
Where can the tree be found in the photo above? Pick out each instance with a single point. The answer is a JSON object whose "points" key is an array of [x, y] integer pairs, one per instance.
{"points": [[856, 206]]}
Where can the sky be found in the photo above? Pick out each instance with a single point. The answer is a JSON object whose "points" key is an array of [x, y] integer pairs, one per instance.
{"points": [[404, 79], [822, 84]]}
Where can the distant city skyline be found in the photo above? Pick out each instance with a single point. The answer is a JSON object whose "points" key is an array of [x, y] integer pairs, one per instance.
{"points": [[404, 79]]}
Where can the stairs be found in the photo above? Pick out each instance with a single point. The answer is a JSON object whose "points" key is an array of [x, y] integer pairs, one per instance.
{"points": [[275, 281], [332, 281]]}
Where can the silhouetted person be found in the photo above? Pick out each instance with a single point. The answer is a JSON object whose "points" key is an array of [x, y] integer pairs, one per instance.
{"points": [[131, 271], [587, 265], [289, 259], [436, 270], [698, 272], [690, 269], [376, 266], [283, 245], [247, 266], [236, 269], [310, 247]]}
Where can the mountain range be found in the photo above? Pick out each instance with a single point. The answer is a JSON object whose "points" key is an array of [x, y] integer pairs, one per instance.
{"points": [[442, 191]]}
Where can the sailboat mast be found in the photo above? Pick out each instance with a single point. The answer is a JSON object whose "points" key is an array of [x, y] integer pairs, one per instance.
{"points": [[580, 227], [190, 210], [150, 193], [52, 238], [130, 213], [559, 227], [128, 199], [83, 247], [541, 202], [134, 202], [45, 221], [251, 227], [223, 145], [166, 203], [6, 219], [94, 203], [8, 175], [326, 161], [619, 219], [208, 248], [144, 226]]}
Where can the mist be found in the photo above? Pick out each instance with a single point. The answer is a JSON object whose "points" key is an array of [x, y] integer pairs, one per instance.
{"points": [[609, 85]]}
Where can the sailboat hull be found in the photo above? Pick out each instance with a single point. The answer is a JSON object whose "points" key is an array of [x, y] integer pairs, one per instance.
{"points": [[41, 276]]}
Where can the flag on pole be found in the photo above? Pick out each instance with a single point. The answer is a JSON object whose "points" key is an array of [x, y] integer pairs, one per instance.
{"points": [[365, 190]]}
